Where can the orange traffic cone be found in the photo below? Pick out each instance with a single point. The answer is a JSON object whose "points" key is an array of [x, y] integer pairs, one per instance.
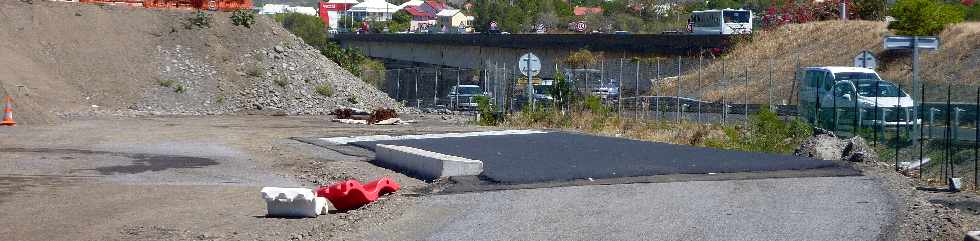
{"points": [[8, 113]]}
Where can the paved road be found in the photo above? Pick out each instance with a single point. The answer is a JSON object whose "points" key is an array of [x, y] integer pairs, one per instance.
{"points": [[562, 156], [819, 208]]}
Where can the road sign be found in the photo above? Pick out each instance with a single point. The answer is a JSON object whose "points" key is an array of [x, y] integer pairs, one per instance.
{"points": [[529, 64], [865, 60], [906, 42]]}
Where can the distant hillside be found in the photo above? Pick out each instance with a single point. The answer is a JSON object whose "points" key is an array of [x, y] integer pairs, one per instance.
{"points": [[68, 59], [832, 43]]}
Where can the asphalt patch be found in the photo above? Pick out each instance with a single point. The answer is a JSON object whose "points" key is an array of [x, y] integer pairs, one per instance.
{"points": [[563, 157], [141, 162]]}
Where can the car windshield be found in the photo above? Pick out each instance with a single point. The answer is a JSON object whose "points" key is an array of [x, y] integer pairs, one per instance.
{"points": [[855, 76], [542, 89], [882, 89], [736, 16], [464, 90]]}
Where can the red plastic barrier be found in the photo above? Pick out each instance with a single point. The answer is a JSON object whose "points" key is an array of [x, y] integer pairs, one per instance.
{"points": [[351, 194]]}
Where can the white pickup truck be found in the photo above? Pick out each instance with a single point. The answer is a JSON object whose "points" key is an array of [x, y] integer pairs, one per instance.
{"points": [[880, 102]]}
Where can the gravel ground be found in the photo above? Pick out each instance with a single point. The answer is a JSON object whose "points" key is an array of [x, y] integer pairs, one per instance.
{"points": [[180, 178]]}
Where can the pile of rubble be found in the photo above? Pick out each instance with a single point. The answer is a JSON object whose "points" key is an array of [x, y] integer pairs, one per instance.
{"points": [[377, 117], [825, 145]]}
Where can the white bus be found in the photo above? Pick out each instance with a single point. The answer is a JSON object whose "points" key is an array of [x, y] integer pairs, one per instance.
{"points": [[721, 22]]}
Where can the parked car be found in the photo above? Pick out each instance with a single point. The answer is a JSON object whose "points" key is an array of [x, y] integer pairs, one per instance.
{"points": [[463, 97], [824, 88]]}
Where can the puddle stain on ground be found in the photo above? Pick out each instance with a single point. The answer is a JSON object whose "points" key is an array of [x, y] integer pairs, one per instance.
{"points": [[141, 162]]}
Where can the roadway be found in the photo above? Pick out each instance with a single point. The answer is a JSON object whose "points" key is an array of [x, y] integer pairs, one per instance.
{"points": [[525, 194]]}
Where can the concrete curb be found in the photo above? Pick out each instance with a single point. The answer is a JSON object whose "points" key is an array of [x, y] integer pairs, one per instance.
{"points": [[348, 140], [972, 236], [426, 164]]}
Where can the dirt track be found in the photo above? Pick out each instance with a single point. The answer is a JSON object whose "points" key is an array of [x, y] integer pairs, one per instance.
{"points": [[182, 178]]}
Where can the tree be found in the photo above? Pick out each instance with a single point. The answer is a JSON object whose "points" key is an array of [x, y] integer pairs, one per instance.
{"points": [[923, 17], [401, 21]]}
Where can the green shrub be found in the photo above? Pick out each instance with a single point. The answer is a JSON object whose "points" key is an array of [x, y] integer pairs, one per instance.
{"points": [[324, 90], [243, 17], [766, 133], [255, 71], [200, 19], [923, 17], [166, 82], [180, 88], [488, 112], [282, 81]]}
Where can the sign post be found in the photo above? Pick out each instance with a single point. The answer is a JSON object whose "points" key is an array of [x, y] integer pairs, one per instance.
{"points": [[914, 43], [530, 66]]}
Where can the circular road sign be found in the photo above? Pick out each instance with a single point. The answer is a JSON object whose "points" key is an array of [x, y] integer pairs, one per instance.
{"points": [[529, 64]]}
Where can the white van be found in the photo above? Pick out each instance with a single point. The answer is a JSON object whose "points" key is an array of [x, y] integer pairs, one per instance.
{"points": [[880, 102]]}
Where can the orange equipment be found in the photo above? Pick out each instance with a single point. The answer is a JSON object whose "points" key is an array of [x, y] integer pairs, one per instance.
{"points": [[8, 113]]}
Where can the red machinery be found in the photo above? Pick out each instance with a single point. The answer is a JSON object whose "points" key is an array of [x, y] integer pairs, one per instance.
{"points": [[213, 5]]}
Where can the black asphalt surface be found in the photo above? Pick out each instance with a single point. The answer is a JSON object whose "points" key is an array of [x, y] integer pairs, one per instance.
{"points": [[559, 156]]}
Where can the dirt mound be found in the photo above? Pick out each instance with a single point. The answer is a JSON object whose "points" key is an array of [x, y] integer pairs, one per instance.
{"points": [[68, 59], [831, 43]]}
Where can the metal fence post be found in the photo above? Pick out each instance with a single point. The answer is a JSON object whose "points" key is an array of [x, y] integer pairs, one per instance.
{"points": [[418, 100], [636, 93], [435, 95], [745, 97], [700, 84], [677, 97], [922, 98], [619, 87], [657, 83], [398, 85], [948, 163], [976, 138], [898, 131]]}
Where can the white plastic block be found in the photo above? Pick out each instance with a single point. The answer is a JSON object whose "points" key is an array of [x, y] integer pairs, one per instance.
{"points": [[293, 202], [427, 164]]}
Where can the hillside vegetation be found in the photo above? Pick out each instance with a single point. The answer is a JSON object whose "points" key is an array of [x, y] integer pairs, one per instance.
{"points": [[69, 59], [830, 43]]}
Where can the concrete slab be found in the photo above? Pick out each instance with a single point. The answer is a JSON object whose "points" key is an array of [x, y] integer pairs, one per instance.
{"points": [[426, 164]]}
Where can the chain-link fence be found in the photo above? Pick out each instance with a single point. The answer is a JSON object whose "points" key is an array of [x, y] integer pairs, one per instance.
{"points": [[932, 128]]}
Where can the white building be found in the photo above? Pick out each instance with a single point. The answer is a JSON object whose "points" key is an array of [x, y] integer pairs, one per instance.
{"points": [[273, 9], [302, 10], [376, 10], [282, 8]]}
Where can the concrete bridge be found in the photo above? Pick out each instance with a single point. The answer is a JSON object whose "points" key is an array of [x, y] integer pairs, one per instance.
{"points": [[478, 51]]}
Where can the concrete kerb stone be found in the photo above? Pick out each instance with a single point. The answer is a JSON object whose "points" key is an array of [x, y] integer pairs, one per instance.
{"points": [[347, 140], [426, 164]]}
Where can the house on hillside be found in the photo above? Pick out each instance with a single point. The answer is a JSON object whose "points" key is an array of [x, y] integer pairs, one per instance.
{"points": [[331, 11], [453, 20], [582, 11], [433, 7], [421, 20], [411, 3], [373, 10]]}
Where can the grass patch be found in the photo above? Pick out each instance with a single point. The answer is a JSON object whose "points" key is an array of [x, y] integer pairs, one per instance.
{"points": [[166, 82], [255, 71], [324, 90], [179, 88], [282, 81]]}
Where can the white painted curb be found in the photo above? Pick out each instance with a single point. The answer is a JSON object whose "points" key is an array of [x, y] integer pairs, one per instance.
{"points": [[347, 140], [293, 202], [426, 164]]}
